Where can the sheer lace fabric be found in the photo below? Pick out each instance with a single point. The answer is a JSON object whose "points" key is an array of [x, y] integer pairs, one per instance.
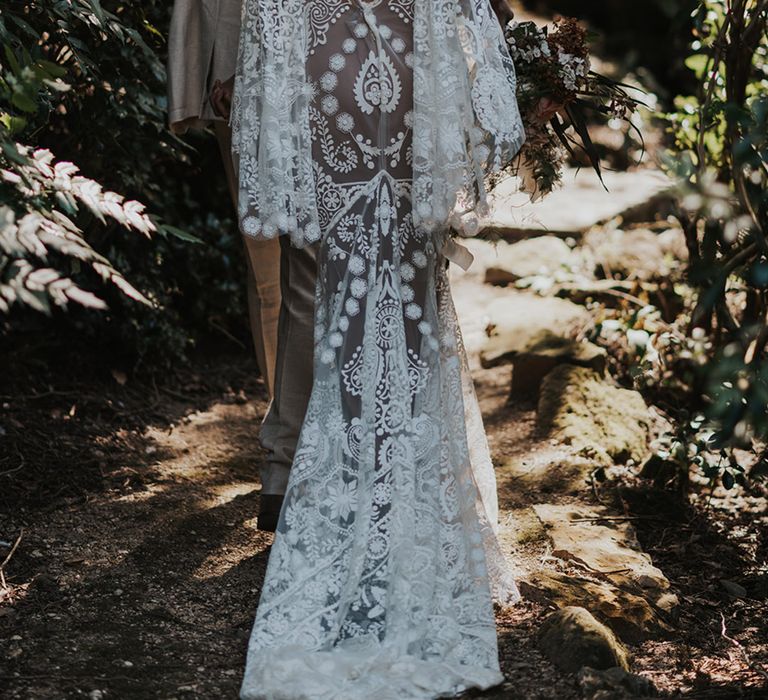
{"points": [[385, 563], [465, 118]]}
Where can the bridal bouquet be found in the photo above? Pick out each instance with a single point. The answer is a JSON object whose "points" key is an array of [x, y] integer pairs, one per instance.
{"points": [[556, 92]]}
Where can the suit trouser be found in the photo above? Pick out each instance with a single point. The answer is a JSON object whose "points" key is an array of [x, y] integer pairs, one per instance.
{"points": [[281, 299], [294, 368], [263, 282]]}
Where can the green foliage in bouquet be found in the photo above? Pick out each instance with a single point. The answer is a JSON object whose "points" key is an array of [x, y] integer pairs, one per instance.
{"points": [[649, 38], [553, 67], [721, 160], [82, 90]]}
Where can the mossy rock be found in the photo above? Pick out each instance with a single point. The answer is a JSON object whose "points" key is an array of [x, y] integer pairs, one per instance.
{"points": [[532, 256], [635, 254], [535, 361], [603, 422], [572, 638], [519, 322], [630, 616], [526, 528]]}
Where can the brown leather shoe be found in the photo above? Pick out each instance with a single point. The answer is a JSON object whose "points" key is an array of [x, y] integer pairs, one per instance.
{"points": [[269, 511]]}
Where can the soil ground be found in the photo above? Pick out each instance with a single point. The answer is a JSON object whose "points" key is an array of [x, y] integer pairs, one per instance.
{"points": [[139, 565]]}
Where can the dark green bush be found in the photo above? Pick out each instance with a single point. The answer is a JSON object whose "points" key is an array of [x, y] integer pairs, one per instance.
{"points": [[720, 157], [86, 80]]}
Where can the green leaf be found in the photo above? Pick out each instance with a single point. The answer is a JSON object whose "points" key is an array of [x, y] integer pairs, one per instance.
{"points": [[12, 61], [181, 234], [23, 25], [24, 102], [48, 69], [698, 64], [14, 125], [98, 11]]}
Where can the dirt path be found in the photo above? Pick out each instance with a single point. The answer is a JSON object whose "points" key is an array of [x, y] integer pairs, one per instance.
{"points": [[139, 565], [147, 588], [143, 581]]}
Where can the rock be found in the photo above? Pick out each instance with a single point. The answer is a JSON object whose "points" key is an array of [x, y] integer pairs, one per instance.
{"points": [[637, 254], [533, 363], [607, 291], [572, 638], [629, 615], [472, 297], [609, 548], [603, 422], [614, 684], [659, 469], [656, 208], [533, 256], [521, 320], [577, 206], [603, 545], [46, 583], [733, 589], [526, 528]]}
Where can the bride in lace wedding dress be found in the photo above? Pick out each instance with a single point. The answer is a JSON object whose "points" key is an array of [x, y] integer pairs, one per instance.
{"points": [[364, 125]]}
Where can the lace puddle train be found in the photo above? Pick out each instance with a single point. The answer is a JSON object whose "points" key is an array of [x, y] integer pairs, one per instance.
{"points": [[381, 576]]}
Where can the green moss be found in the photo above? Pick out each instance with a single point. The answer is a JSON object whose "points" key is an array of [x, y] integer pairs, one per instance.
{"points": [[605, 423]]}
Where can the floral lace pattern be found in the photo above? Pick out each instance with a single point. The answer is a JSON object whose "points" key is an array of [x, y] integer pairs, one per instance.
{"points": [[385, 563], [465, 120]]}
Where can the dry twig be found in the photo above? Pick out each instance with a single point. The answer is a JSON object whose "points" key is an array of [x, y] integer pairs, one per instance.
{"points": [[615, 518], [8, 558], [751, 664]]}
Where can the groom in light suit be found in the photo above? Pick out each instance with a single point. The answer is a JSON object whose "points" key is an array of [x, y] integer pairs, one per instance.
{"points": [[202, 57]]}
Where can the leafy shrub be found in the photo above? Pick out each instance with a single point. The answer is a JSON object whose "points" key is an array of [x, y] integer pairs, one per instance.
{"points": [[721, 159], [85, 80], [42, 189]]}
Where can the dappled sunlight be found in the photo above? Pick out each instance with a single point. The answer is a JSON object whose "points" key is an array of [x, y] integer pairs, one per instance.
{"points": [[615, 330], [227, 492], [150, 492], [233, 551]]}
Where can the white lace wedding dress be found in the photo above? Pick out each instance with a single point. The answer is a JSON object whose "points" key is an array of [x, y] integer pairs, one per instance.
{"points": [[385, 562]]}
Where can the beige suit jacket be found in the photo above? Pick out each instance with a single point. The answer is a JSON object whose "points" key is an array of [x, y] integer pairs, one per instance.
{"points": [[202, 48]]}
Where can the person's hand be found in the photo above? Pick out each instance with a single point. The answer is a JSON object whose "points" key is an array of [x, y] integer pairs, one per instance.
{"points": [[221, 97], [547, 108]]}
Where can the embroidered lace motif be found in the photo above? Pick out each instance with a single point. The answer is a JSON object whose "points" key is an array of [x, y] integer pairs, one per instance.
{"points": [[385, 564], [465, 120]]}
